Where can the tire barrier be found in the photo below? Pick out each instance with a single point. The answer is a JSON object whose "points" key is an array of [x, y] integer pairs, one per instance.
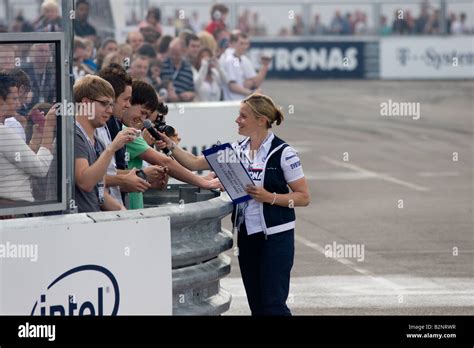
{"points": [[198, 244]]}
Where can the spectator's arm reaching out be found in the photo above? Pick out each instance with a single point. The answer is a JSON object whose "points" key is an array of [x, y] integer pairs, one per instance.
{"points": [[257, 81], [86, 176], [185, 158], [177, 171], [128, 181], [234, 87]]}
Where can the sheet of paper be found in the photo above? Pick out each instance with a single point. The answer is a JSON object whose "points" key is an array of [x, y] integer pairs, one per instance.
{"points": [[230, 171]]}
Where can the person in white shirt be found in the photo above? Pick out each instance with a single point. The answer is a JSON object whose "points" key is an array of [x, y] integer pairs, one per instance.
{"points": [[13, 123], [266, 223], [459, 27], [209, 78], [242, 77], [18, 161]]}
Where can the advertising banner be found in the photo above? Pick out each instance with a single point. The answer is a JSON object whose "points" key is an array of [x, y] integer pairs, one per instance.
{"points": [[104, 268], [311, 59], [427, 58]]}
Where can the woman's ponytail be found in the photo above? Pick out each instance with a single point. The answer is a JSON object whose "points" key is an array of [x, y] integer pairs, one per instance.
{"points": [[278, 116], [263, 105]]}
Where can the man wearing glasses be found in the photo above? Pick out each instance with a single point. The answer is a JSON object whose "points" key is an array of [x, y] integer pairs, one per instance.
{"points": [[92, 157]]}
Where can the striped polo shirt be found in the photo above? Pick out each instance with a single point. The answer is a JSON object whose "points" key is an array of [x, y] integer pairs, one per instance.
{"points": [[182, 78]]}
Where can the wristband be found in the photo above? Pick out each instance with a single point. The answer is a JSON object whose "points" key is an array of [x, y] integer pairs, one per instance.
{"points": [[274, 198]]}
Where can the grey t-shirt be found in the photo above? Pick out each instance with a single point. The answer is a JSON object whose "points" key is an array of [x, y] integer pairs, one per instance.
{"points": [[87, 201]]}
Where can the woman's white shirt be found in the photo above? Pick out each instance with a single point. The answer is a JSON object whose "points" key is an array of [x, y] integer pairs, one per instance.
{"points": [[18, 163], [290, 164], [208, 90], [13, 123]]}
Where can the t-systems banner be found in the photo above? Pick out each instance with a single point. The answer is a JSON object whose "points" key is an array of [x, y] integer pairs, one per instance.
{"points": [[85, 268], [427, 57], [311, 59]]}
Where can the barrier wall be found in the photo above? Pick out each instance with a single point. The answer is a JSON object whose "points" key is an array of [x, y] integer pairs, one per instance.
{"points": [[81, 265], [115, 263]]}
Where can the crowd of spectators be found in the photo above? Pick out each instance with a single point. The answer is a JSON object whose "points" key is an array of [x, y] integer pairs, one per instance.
{"points": [[209, 65], [343, 22], [130, 82], [123, 84], [404, 23]]}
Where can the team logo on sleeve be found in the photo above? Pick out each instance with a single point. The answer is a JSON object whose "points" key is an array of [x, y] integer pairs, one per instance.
{"points": [[295, 165]]}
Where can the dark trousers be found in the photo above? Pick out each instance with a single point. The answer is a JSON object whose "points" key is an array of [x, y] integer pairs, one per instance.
{"points": [[265, 265]]}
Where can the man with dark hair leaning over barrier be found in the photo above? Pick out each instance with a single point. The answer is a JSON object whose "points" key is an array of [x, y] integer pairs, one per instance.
{"points": [[119, 180], [144, 103], [92, 158]]}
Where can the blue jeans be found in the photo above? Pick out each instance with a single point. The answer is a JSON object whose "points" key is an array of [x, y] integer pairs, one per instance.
{"points": [[265, 265]]}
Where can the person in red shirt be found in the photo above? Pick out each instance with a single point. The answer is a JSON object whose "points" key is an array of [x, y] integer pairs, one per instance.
{"points": [[219, 14]]}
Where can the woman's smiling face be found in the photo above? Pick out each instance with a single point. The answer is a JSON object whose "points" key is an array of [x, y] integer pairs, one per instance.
{"points": [[247, 121]]}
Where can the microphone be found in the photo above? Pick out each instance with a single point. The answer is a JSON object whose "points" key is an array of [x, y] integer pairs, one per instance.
{"points": [[149, 127]]}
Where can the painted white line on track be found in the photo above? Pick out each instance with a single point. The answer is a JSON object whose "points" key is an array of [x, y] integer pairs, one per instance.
{"points": [[355, 291], [350, 264], [338, 176], [374, 174], [352, 175], [436, 174]]}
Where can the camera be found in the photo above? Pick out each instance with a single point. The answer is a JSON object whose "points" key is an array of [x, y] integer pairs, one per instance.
{"points": [[162, 127], [160, 124]]}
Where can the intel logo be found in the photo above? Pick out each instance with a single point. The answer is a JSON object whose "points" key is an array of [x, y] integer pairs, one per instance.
{"points": [[84, 290]]}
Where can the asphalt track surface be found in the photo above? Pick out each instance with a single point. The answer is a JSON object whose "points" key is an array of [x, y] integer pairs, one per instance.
{"points": [[400, 187]]}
